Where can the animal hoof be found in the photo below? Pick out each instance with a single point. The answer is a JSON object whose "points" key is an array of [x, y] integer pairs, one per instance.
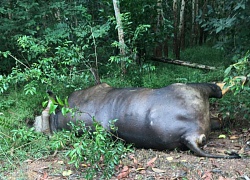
{"points": [[202, 139]]}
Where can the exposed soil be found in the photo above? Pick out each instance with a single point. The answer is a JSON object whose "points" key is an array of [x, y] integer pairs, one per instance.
{"points": [[151, 164]]}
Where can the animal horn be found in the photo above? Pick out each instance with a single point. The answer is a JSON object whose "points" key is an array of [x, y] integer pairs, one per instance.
{"points": [[225, 89]]}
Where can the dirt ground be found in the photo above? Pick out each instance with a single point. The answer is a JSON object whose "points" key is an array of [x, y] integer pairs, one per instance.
{"points": [[157, 165]]}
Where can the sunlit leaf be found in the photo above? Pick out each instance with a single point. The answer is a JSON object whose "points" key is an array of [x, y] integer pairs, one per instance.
{"points": [[158, 170], [53, 108], [67, 173], [170, 158], [222, 136], [60, 102]]}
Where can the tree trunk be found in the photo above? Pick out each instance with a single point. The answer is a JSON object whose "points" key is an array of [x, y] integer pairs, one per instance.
{"points": [[202, 32], [193, 23], [183, 63], [181, 26], [159, 49], [196, 24], [120, 34], [175, 41]]}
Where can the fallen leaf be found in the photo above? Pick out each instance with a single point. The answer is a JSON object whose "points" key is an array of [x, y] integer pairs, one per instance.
{"points": [[143, 172], [124, 173], [170, 158], [222, 178], [158, 170], [44, 167], [241, 151], [199, 172], [132, 156], [140, 169], [233, 137], [28, 160], [67, 173], [60, 162], [151, 162], [222, 136], [84, 165], [207, 175], [135, 161], [45, 176]]}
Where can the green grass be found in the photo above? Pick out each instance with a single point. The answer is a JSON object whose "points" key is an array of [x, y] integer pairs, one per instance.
{"points": [[205, 55]]}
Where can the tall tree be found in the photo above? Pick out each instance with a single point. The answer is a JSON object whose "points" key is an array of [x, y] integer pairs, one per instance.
{"points": [[179, 31], [175, 40], [181, 27], [120, 33], [160, 18]]}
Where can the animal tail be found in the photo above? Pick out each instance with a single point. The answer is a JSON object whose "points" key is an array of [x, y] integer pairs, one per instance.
{"points": [[193, 146]]}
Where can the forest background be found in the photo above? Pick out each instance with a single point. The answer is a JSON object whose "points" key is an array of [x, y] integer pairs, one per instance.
{"points": [[69, 45]]}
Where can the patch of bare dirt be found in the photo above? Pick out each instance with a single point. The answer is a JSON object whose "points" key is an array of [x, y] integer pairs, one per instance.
{"points": [[157, 165]]}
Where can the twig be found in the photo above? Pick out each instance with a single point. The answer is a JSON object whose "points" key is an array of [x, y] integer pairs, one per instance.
{"points": [[19, 61]]}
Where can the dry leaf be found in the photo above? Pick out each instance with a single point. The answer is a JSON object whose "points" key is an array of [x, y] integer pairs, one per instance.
{"points": [[158, 170], [151, 162], [84, 165], [67, 173], [222, 178], [60, 162], [207, 175], [140, 169], [241, 151], [199, 172], [233, 137], [28, 160], [45, 176], [143, 172], [124, 173], [44, 167], [170, 158], [132, 156]]}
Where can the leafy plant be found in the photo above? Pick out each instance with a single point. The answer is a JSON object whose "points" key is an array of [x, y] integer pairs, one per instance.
{"points": [[96, 150], [238, 73], [227, 22], [237, 79], [92, 147]]}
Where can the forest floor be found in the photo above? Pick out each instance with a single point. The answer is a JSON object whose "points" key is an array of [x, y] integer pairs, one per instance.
{"points": [[157, 165]]}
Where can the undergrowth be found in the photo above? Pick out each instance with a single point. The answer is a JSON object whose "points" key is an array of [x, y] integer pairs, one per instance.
{"points": [[98, 152]]}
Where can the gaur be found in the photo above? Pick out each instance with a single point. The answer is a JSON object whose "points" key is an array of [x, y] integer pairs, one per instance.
{"points": [[175, 116]]}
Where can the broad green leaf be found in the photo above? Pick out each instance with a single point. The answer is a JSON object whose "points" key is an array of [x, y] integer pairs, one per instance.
{"points": [[45, 103], [65, 111], [66, 103], [227, 71], [60, 102], [53, 108]]}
